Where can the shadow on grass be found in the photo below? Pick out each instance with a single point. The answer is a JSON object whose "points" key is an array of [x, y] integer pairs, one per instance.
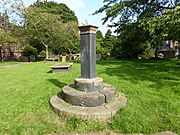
{"points": [[152, 88], [161, 73], [50, 71], [57, 83]]}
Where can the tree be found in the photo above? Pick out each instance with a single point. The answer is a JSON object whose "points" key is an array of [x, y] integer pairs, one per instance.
{"points": [[4, 22], [99, 34], [6, 37], [99, 41], [48, 30], [133, 11], [65, 14], [108, 44], [15, 9], [132, 42], [165, 27], [14, 13], [127, 17], [58, 27]]}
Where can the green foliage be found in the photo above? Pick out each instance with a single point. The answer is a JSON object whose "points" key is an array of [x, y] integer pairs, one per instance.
{"points": [[165, 27], [29, 51], [6, 37], [107, 45], [46, 29], [15, 10], [43, 25], [42, 53], [99, 42], [99, 34], [141, 22], [132, 11], [64, 13], [4, 21], [133, 41]]}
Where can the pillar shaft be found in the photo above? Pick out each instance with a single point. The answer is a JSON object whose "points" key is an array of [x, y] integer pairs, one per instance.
{"points": [[88, 51]]}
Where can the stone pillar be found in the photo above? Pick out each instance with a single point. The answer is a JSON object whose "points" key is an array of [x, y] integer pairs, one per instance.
{"points": [[89, 97], [88, 51]]}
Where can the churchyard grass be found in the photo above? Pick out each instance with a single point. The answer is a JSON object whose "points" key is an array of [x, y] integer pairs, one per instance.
{"points": [[7, 63], [152, 88]]}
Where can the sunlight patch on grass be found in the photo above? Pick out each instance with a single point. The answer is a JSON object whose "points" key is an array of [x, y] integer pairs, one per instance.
{"points": [[151, 87]]}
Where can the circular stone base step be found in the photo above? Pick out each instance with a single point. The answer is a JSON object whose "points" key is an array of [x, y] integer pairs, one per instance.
{"points": [[103, 112], [88, 85], [88, 99]]}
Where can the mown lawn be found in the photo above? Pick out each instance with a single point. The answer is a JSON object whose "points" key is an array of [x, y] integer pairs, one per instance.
{"points": [[152, 88], [7, 63]]}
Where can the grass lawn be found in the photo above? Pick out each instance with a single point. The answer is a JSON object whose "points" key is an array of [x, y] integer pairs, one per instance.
{"points": [[151, 87], [7, 63]]}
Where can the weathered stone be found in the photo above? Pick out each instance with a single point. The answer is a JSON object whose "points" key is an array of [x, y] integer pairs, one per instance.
{"points": [[109, 92], [103, 112], [99, 112], [119, 102], [80, 98], [89, 98], [88, 51], [89, 85], [59, 106], [61, 67]]}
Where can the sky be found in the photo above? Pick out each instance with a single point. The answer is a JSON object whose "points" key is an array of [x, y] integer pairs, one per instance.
{"points": [[83, 10]]}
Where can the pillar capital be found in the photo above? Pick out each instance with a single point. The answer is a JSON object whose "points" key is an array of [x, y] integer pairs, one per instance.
{"points": [[87, 29]]}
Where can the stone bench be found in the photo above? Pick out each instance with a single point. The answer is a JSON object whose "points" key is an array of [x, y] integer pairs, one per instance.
{"points": [[63, 67]]}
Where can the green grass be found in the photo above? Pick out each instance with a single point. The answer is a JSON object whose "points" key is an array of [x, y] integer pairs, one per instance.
{"points": [[151, 87], [7, 63]]}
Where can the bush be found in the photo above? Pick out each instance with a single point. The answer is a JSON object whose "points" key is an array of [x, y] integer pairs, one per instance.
{"points": [[42, 53], [30, 52]]}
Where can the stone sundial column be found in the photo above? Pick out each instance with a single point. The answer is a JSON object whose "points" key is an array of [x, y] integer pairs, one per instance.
{"points": [[88, 81], [88, 51], [89, 97]]}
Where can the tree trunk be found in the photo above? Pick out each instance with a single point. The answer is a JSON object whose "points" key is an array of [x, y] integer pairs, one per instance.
{"points": [[29, 58], [156, 52], [47, 55], [0, 54]]}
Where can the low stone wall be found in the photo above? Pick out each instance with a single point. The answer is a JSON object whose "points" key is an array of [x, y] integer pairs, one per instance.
{"points": [[10, 52]]}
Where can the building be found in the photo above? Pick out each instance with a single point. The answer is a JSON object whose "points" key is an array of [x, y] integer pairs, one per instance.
{"points": [[8, 51], [169, 49]]}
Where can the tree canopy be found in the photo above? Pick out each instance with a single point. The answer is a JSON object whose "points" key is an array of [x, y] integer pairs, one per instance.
{"points": [[65, 14], [6, 37], [43, 25], [104, 45], [165, 27], [141, 24], [47, 29], [123, 12]]}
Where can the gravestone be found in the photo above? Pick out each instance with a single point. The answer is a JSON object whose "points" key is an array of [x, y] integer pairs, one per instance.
{"points": [[63, 67], [88, 97]]}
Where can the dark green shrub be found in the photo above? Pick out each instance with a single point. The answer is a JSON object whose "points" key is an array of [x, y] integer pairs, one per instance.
{"points": [[42, 53], [30, 52]]}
